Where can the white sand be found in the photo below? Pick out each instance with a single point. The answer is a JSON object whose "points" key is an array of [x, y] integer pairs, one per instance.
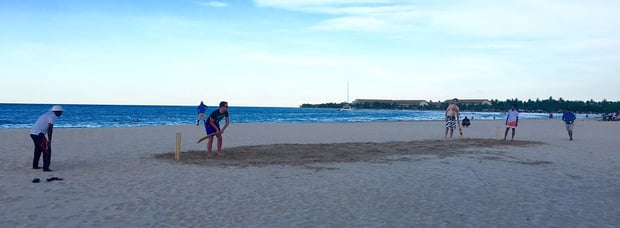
{"points": [[112, 180]]}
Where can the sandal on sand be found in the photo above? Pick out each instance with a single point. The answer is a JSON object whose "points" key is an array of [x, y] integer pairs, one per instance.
{"points": [[54, 178]]}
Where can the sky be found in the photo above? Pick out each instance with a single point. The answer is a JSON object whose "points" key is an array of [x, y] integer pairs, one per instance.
{"points": [[284, 53]]}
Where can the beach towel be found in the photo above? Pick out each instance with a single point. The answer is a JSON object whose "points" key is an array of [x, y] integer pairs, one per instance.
{"points": [[43, 145]]}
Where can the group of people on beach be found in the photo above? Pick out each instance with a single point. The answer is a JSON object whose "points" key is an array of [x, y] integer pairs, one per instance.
{"points": [[212, 125], [612, 116], [42, 130], [512, 120]]}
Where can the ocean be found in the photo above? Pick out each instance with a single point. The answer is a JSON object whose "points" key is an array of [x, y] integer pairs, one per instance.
{"points": [[99, 116]]}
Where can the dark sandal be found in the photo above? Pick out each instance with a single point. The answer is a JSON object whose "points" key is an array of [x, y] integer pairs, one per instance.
{"points": [[54, 178]]}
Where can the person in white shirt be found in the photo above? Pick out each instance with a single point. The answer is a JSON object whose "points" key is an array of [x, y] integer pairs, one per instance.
{"points": [[512, 120], [42, 145]]}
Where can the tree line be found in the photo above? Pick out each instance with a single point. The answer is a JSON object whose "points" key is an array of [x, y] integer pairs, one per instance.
{"points": [[549, 105]]}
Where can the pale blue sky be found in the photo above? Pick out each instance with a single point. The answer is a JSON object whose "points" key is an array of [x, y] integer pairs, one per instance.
{"points": [[287, 52]]}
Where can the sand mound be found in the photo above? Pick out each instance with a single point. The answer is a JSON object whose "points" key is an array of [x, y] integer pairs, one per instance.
{"points": [[307, 154]]}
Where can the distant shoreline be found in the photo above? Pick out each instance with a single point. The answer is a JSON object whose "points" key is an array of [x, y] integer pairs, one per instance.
{"points": [[98, 116]]}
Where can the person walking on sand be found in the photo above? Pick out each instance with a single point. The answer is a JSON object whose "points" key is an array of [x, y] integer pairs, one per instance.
{"points": [[202, 109], [512, 120], [42, 145], [213, 128], [569, 118], [451, 117]]}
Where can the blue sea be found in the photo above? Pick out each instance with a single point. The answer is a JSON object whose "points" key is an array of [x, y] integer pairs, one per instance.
{"points": [[98, 116]]}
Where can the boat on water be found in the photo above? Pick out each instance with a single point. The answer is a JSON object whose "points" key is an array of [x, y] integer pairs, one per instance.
{"points": [[346, 106]]}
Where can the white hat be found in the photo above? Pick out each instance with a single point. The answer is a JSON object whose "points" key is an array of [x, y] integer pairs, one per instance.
{"points": [[57, 108]]}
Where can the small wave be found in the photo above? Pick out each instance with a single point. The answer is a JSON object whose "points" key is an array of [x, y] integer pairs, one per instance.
{"points": [[99, 116]]}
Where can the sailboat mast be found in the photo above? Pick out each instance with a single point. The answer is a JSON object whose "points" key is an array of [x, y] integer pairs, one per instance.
{"points": [[347, 91], [346, 106]]}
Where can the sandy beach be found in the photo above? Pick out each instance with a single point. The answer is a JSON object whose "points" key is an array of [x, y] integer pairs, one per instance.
{"points": [[377, 174]]}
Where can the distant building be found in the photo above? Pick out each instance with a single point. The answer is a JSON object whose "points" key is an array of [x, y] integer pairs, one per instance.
{"points": [[419, 103], [472, 101], [368, 101], [410, 102], [394, 102]]}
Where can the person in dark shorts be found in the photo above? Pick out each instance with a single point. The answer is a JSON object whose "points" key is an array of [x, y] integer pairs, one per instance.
{"points": [[213, 128], [42, 144], [466, 122]]}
